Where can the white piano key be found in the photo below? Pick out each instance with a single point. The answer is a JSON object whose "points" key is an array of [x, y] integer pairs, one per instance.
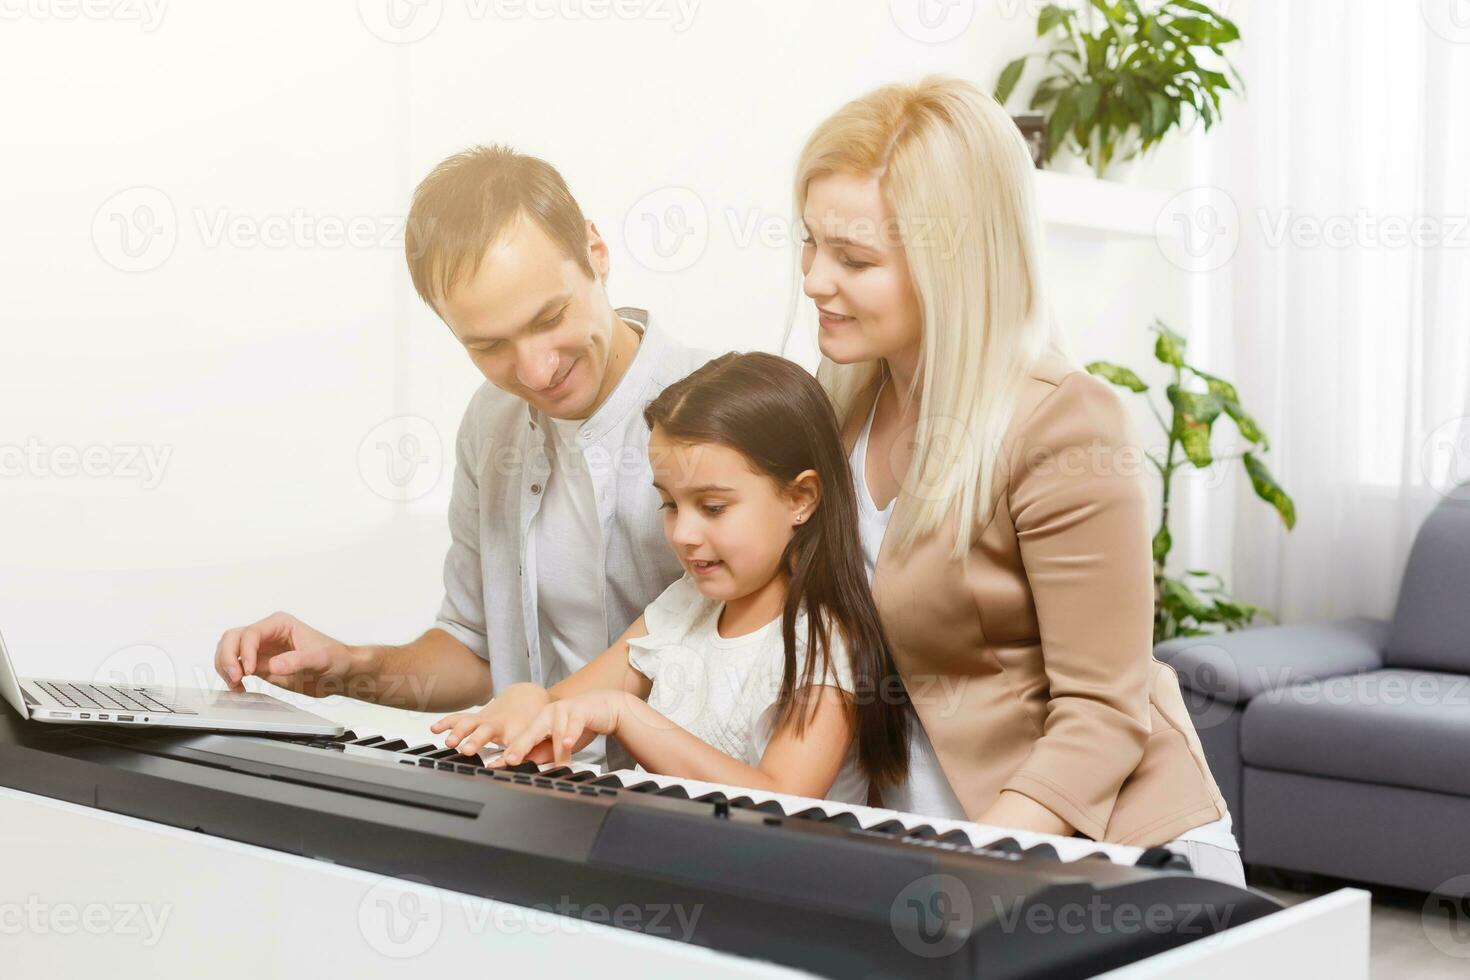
{"points": [[979, 835]]}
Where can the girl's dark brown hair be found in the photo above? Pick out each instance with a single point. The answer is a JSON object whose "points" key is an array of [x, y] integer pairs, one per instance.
{"points": [[777, 416]]}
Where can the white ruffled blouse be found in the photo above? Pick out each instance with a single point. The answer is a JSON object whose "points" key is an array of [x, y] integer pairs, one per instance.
{"points": [[724, 689]]}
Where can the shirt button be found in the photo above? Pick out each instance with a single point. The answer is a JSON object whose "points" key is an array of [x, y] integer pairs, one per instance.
{"points": [[535, 488]]}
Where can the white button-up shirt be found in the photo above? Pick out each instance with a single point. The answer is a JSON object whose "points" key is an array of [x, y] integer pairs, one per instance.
{"points": [[502, 463]]}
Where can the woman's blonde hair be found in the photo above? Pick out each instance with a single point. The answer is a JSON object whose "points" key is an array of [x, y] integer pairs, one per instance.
{"points": [[957, 177]]}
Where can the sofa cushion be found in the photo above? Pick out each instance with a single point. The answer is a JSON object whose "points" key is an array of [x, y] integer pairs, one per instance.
{"points": [[1233, 668], [1397, 727], [1431, 624]]}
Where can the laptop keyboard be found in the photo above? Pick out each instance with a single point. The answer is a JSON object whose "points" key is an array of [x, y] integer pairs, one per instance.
{"points": [[110, 697]]}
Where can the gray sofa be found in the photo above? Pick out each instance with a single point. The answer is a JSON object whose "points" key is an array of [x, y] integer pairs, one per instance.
{"points": [[1344, 749]]}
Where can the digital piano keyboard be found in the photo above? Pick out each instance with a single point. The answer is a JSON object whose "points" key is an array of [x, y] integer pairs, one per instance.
{"points": [[832, 889]]}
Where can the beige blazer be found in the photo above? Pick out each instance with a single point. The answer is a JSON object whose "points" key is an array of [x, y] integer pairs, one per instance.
{"points": [[1030, 661]]}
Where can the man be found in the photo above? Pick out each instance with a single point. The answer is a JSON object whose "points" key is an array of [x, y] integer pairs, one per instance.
{"points": [[557, 536]]}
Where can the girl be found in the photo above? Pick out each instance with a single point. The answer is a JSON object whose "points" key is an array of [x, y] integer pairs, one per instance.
{"points": [[765, 666]]}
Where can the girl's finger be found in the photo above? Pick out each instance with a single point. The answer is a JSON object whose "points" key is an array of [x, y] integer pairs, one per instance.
{"points": [[475, 739], [536, 731], [445, 722], [463, 726], [463, 729], [559, 733]]}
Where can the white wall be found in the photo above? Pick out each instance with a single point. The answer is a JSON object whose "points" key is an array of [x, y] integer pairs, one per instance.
{"points": [[254, 371]]}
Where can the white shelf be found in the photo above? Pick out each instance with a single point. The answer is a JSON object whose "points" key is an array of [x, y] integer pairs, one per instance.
{"points": [[1095, 207]]}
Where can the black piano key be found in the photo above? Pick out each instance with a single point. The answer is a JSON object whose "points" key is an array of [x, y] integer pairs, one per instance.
{"points": [[347, 736], [560, 772], [1163, 859], [954, 837], [847, 820], [924, 832], [810, 813], [676, 791], [713, 797], [369, 740], [647, 786], [890, 826], [421, 749], [1045, 851], [770, 806], [608, 780], [529, 768], [1097, 856], [581, 777], [392, 746], [742, 802], [1006, 845], [441, 753]]}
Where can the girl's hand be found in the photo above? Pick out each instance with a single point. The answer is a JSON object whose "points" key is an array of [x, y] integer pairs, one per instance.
{"points": [[507, 714], [568, 725]]}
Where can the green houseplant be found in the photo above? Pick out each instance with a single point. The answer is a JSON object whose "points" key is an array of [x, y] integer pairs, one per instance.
{"points": [[1116, 85], [1189, 605]]}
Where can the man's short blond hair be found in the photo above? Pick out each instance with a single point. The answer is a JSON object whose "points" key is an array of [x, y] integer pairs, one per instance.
{"points": [[467, 202]]}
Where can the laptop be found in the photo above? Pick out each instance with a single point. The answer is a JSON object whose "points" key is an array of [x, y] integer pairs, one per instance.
{"points": [[80, 703]]}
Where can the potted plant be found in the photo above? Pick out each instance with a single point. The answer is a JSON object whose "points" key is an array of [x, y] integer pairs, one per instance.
{"points": [[1117, 84], [1191, 604]]}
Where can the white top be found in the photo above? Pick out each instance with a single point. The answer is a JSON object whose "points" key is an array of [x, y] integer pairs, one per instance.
{"points": [[927, 791], [572, 616], [723, 690], [573, 620], [1220, 833]]}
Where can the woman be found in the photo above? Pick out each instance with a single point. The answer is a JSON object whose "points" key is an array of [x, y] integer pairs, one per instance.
{"points": [[1000, 487]]}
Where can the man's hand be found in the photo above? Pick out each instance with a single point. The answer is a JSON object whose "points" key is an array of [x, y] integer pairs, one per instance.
{"points": [[286, 652], [565, 726], [511, 711]]}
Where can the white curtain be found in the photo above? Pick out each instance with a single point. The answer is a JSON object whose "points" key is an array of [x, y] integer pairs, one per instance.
{"points": [[1348, 298]]}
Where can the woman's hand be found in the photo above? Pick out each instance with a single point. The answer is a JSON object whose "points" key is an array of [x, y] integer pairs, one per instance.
{"points": [[496, 722], [567, 725]]}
